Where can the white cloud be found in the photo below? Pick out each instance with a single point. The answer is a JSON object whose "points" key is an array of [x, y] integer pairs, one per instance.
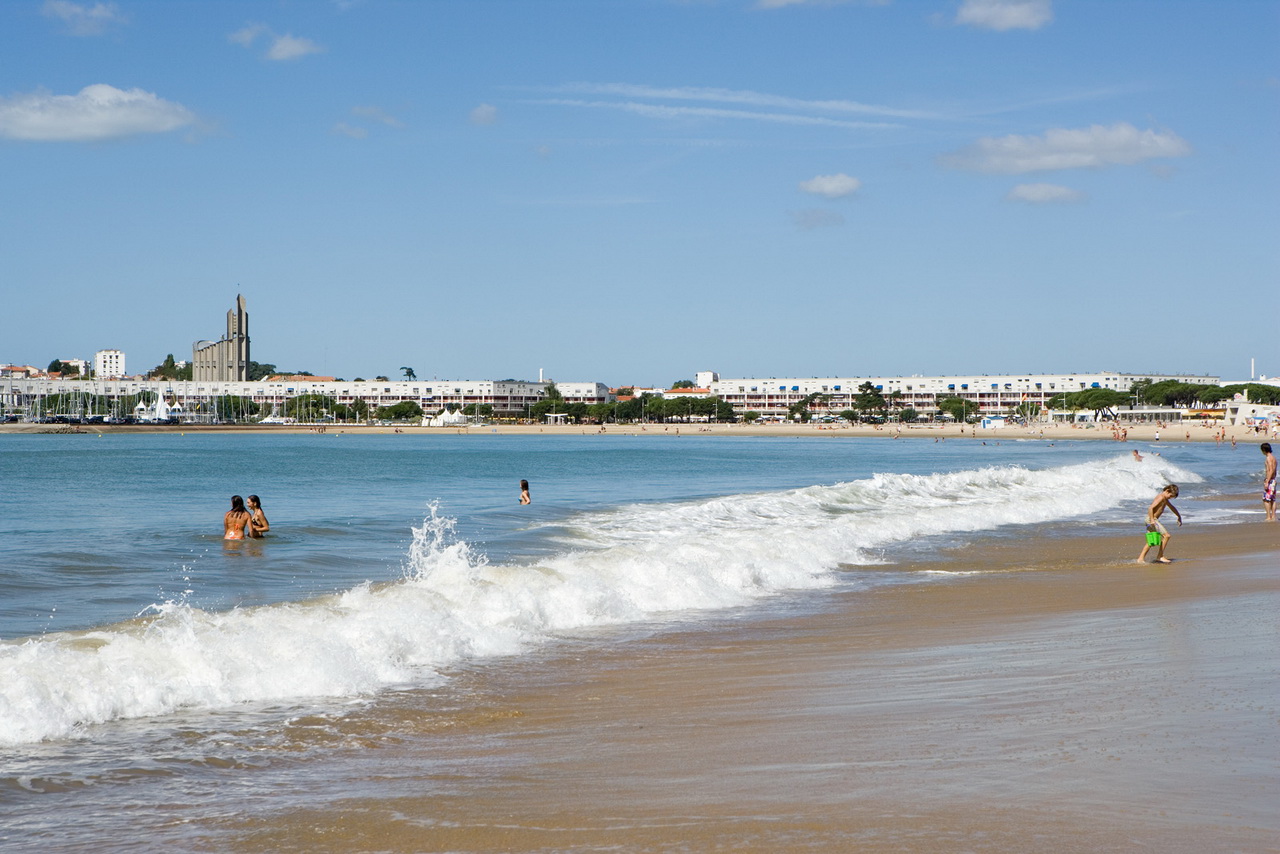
{"points": [[831, 186], [808, 220], [740, 97], [248, 35], [96, 112], [1040, 194], [485, 114], [377, 114], [1005, 14], [344, 129], [667, 111], [83, 19], [291, 47], [281, 48], [1060, 148]]}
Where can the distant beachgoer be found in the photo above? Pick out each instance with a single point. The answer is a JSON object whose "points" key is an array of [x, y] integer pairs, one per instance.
{"points": [[1154, 526], [236, 520], [524, 492], [1137, 456], [258, 524], [1269, 482]]}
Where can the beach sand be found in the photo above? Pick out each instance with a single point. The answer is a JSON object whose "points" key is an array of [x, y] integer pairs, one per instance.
{"points": [[1060, 698], [1137, 433]]}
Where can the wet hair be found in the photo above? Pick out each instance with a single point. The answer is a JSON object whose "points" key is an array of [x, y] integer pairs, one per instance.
{"points": [[524, 484], [1266, 447], [1173, 487], [237, 504], [253, 499]]}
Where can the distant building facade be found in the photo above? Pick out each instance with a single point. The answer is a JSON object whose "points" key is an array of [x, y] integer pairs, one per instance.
{"points": [[195, 399], [994, 395], [108, 364], [225, 360]]}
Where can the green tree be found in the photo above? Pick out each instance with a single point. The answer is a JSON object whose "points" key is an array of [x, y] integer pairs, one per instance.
{"points": [[402, 411], [310, 407], [908, 414], [408, 373], [958, 408], [166, 370], [256, 371], [682, 384], [869, 400], [751, 416]]}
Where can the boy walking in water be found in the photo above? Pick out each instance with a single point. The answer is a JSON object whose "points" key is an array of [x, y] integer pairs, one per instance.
{"points": [[1162, 500], [1269, 482]]}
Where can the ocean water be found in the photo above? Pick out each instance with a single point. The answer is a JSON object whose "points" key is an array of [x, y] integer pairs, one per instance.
{"points": [[129, 629]]}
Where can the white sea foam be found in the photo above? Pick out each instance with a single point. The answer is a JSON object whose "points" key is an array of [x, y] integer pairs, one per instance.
{"points": [[633, 563]]}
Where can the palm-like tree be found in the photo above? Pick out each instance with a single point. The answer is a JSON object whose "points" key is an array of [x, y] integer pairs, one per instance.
{"points": [[408, 373]]}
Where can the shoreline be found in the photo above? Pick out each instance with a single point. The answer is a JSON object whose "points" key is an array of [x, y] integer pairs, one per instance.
{"points": [[1137, 433], [1063, 701]]}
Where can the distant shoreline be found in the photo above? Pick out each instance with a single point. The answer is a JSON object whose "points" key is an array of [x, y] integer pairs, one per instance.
{"points": [[1139, 433]]}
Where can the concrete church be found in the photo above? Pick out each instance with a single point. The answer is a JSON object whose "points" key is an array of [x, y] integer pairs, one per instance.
{"points": [[227, 359]]}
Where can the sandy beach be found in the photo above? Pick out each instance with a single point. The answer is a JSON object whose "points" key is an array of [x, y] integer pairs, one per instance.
{"points": [[1059, 699], [1139, 433]]}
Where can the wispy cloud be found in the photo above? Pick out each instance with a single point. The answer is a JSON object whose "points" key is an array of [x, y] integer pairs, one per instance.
{"points": [[1043, 194], [485, 114], [377, 114], [344, 129], [280, 47], [1004, 15], [83, 19], [835, 186], [1096, 146], [741, 98], [666, 111], [96, 112]]}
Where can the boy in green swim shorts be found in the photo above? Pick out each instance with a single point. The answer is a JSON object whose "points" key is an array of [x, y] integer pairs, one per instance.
{"points": [[1154, 527]]}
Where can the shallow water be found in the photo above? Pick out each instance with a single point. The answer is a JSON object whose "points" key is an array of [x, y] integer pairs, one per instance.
{"points": [[146, 660]]}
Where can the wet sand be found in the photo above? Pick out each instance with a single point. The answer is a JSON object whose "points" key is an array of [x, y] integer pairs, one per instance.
{"points": [[1060, 699]]}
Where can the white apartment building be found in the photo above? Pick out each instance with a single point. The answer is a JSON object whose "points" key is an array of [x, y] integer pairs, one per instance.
{"points": [[108, 364], [994, 394], [509, 398]]}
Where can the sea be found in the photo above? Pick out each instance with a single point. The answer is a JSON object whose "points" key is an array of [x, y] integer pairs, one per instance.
{"points": [[146, 663]]}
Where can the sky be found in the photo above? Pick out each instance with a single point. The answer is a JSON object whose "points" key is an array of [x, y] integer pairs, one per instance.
{"points": [[630, 191]]}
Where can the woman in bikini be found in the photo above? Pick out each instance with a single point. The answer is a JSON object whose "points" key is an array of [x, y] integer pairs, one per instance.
{"points": [[258, 524], [236, 520]]}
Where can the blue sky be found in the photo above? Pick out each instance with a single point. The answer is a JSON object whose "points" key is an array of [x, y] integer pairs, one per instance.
{"points": [[631, 191]]}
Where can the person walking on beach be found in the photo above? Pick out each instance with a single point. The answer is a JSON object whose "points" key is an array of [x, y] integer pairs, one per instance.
{"points": [[524, 492], [1158, 505], [236, 520], [1269, 482], [258, 524]]}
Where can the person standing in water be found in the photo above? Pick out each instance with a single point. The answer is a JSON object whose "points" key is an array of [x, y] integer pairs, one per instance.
{"points": [[524, 492], [258, 524], [236, 520], [1269, 482], [1157, 507]]}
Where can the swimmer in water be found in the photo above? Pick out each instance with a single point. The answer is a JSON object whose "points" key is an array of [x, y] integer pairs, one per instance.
{"points": [[236, 520], [258, 524], [524, 492]]}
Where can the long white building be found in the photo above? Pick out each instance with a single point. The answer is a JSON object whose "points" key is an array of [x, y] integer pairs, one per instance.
{"points": [[994, 394], [507, 397]]}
